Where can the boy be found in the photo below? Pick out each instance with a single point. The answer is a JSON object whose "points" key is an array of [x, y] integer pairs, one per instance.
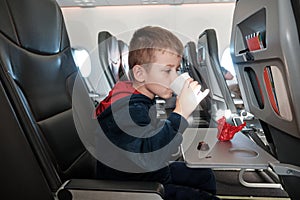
{"points": [[128, 118]]}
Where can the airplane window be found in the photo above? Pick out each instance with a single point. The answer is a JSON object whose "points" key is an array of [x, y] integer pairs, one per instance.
{"points": [[227, 63], [82, 60]]}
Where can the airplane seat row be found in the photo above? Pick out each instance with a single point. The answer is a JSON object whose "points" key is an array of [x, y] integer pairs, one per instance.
{"points": [[220, 95], [265, 51], [37, 81]]}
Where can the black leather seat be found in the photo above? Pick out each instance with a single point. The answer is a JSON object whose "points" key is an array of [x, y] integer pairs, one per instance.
{"points": [[113, 57], [189, 63], [38, 73], [21, 175], [210, 68], [38, 70], [269, 76], [124, 67], [109, 56]]}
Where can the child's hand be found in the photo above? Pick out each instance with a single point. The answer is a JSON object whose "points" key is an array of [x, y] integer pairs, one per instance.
{"points": [[189, 98]]}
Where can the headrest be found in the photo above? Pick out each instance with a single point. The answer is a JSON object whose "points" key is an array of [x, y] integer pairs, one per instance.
{"points": [[108, 44], [212, 43], [124, 51], [109, 53], [23, 22], [190, 53]]}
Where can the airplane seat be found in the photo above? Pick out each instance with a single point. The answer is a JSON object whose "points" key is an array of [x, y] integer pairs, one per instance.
{"points": [[109, 56], [19, 166], [38, 74], [124, 67], [265, 51], [210, 68], [190, 65], [38, 69]]}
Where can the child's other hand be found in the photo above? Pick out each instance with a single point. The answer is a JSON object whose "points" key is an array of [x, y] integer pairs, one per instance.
{"points": [[190, 96]]}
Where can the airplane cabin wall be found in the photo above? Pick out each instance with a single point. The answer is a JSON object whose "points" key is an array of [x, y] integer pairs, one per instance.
{"points": [[187, 21]]}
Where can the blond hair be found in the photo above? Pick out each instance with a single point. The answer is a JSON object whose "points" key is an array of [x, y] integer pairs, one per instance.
{"points": [[147, 41]]}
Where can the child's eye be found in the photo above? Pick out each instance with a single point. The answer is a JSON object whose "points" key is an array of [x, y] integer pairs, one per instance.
{"points": [[168, 71], [178, 71]]}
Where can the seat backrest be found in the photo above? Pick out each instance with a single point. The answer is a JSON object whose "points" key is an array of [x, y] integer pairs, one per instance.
{"points": [[19, 166], [208, 58], [124, 67], [191, 65], [265, 51], [38, 72], [109, 56]]}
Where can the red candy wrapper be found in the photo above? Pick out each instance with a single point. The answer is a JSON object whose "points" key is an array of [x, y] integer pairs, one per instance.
{"points": [[227, 131]]}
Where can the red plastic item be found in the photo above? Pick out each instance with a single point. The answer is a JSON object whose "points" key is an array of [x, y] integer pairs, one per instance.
{"points": [[227, 131]]}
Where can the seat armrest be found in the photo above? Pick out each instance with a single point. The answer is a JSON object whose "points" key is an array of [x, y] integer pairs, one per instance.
{"points": [[106, 189], [285, 169]]}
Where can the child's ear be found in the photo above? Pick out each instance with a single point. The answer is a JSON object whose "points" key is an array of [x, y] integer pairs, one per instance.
{"points": [[139, 73]]}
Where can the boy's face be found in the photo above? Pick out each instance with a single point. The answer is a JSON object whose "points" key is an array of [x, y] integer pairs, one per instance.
{"points": [[161, 74]]}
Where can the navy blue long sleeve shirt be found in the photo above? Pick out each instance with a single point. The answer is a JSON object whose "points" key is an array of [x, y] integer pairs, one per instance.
{"points": [[131, 124]]}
